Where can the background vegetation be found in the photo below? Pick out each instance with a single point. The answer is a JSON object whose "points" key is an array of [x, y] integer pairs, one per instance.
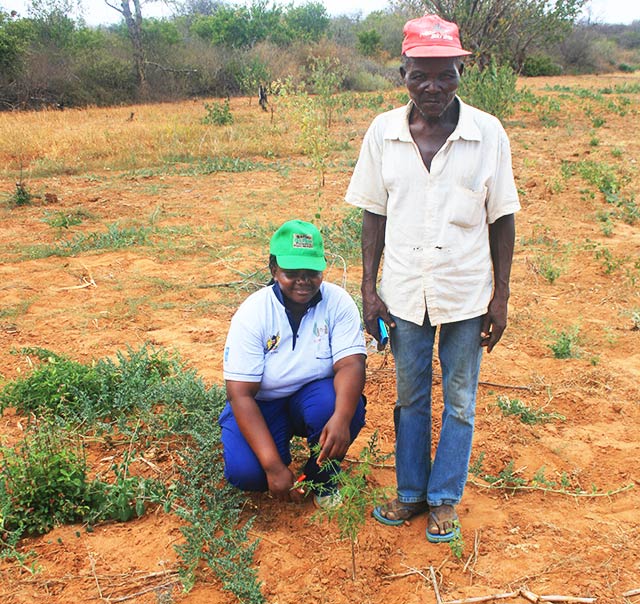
{"points": [[213, 48]]}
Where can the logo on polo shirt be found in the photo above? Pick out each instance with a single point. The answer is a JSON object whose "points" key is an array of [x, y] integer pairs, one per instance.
{"points": [[272, 343]]}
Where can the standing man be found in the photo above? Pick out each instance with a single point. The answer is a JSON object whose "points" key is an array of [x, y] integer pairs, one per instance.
{"points": [[436, 185]]}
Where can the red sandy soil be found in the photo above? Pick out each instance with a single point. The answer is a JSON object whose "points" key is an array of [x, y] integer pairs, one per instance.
{"points": [[97, 303]]}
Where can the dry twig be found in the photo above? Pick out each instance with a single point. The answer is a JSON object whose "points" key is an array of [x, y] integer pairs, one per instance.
{"points": [[631, 592], [511, 594], [434, 580]]}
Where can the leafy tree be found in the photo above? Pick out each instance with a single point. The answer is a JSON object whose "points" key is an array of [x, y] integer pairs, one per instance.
{"points": [[307, 22], [502, 29], [369, 42], [15, 37]]}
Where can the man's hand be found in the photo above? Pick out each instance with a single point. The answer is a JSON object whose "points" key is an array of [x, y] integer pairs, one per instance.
{"points": [[494, 323], [372, 308]]}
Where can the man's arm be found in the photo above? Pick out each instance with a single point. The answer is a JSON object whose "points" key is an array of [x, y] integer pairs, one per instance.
{"points": [[373, 233], [502, 234]]}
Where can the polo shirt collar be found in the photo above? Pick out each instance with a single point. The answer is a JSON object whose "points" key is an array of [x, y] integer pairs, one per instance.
{"points": [[280, 296], [467, 129]]}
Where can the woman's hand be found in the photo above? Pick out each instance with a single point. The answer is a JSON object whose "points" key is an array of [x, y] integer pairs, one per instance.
{"points": [[282, 487]]}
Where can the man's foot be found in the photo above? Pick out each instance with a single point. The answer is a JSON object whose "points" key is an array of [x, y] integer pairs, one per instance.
{"points": [[395, 513], [443, 524]]}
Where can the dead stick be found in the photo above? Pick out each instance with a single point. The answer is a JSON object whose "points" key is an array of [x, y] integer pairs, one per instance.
{"points": [[511, 386], [263, 538], [631, 592], [529, 595], [142, 592], [511, 594], [566, 599], [435, 585], [528, 487], [92, 562]]}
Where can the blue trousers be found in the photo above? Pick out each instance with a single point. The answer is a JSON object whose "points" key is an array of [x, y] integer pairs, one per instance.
{"points": [[442, 481], [304, 414]]}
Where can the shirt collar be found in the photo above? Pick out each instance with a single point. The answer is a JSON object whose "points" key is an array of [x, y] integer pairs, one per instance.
{"points": [[399, 126]]}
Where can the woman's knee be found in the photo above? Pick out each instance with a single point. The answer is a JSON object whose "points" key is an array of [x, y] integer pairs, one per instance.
{"points": [[246, 477]]}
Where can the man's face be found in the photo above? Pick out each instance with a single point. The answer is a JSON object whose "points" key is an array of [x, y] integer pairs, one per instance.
{"points": [[432, 83]]}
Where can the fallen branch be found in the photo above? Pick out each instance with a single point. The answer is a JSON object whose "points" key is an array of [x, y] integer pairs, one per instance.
{"points": [[529, 595], [528, 487], [511, 594], [434, 580], [510, 386], [566, 599], [631, 592], [142, 592]]}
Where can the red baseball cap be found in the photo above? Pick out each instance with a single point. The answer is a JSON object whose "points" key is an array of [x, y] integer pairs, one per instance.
{"points": [[431, 36]]}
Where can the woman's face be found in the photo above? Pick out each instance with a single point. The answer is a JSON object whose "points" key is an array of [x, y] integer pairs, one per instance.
{"points": [[298, 285]]}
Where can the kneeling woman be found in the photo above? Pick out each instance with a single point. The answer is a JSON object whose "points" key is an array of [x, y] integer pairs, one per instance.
{"points": [[294, 365]]}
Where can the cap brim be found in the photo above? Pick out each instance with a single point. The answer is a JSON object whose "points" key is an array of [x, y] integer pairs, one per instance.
{"points": [[436, 52], [301, 262]]}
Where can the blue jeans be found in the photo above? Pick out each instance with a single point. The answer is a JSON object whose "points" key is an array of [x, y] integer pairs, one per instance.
{"points": [[305, 414], [459, 351]]}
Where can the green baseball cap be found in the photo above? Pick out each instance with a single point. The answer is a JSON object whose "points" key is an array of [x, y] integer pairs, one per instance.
{"points": [[298, 245]]}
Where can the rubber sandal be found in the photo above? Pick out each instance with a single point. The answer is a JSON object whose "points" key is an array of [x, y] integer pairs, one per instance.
{"points": [[402, 511], [451, 535]]}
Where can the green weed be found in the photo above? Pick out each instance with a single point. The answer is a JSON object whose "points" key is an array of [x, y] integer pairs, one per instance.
{"points": [[64, 220], [566, 343], [44, 483], [546, 266], [21, 196], [456, 545], [218, 114], [609, 262], [115, 238], [526, 414]]}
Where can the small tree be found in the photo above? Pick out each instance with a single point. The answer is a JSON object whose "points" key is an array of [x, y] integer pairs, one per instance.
{"points": [[369, 42], [133, 20], [502, 29]]}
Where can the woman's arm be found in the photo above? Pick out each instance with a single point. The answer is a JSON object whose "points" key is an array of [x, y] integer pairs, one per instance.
{"points": [[251, 422], [348, 382]]}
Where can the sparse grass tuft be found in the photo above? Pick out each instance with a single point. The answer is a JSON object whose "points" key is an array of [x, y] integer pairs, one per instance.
{"points": [[526, 414]]}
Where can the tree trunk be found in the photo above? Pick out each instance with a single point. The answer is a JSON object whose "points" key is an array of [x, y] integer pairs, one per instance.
{"points": [[134, 27]]}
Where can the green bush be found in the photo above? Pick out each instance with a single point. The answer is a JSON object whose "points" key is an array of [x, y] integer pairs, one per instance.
{"points": [[142, 395], [218, 114], [43, 484], [540, 65], [492, 89]]}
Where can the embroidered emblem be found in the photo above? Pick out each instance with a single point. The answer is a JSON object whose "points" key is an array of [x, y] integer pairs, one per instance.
{"points": [[272, 342], [437, 33], [302, 241]]}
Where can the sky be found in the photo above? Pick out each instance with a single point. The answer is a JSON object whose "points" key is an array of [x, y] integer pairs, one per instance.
{"points": [[96, 12]]}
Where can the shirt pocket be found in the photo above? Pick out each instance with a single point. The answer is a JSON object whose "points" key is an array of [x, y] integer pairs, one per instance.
{"points": [[467, 207]]}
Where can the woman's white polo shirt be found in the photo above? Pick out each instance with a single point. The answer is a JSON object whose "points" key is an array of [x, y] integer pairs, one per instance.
{"points": [[260, 343]]}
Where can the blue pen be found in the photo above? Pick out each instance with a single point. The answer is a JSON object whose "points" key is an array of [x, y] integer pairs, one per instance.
{"points": [[384, 334]]}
